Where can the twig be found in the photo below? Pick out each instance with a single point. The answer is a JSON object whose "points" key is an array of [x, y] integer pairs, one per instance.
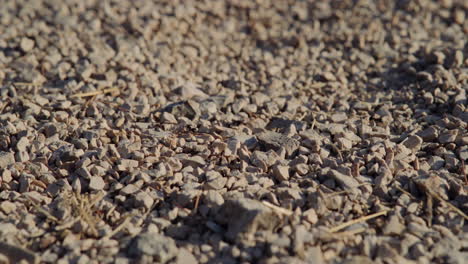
{"points": [[119, 228], [453, 207], [88, 94], [67, 224], [277, 208], [313, 124], [337, 150], [405, 192], [43, 211], [359, 220], [346, 191], [197, 201]]}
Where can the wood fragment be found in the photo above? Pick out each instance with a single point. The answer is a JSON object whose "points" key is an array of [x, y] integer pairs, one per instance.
{"points": [[197, 202], [278, 209]]}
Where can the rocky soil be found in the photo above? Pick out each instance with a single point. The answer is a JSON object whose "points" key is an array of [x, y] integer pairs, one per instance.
{"points": [[235, 131]]}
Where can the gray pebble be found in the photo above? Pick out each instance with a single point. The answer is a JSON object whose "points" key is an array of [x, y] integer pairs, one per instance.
{"points": [[161, 247]]}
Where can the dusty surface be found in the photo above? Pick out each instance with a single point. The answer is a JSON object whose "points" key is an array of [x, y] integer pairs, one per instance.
{"points": [[233, 131]]}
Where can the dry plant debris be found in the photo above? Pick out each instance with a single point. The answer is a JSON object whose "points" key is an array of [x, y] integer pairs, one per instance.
{"points": [[241, 131]]}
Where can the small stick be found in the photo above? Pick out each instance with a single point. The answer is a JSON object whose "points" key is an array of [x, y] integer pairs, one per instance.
{"points": [[88, 94], [43, 211], [435, 195], [277, 208], [405, 192], [359, 220], [111, 210], [67, 224], [118, 228], [313, 124], [197, 201], [346, 191], [416, 164]]}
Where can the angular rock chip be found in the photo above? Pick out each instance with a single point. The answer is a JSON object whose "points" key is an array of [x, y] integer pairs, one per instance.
{"points": [[245, 217], [345, 181], [413, 142], [17, 254], [274, 140], [6, 159], [96, 183], [161, 247], [281, 173]]}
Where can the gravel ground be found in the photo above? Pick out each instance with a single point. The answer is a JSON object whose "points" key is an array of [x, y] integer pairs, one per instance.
{"points": [[233, 131]]}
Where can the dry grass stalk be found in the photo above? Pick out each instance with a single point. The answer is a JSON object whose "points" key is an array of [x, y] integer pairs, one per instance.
{"points": [[197, 202], [119, 227], [346, 191], [453, 207], [43, 211], [103, 91], [359, 220], [405, 192]]}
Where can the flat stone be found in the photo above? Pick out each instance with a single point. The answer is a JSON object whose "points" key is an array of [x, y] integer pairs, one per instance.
{"points": [[310, 216], [213, 198], [347, 182], [281, 173], [129, 189], [233, 145], [264, 160], [22, 144], [214, 180], [127, 164], [6, 159], [7, 207], [429, 134], [96, 183], [189, 90], [169, 118], [16, 254], [339, 117], [436, 162], [463, 153], [185, 257], [448, 136], [26, 44], [143, 199], [315, 255], [393, 226], [274, 140], [194, 161], [245, 216], [413, 142]]}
